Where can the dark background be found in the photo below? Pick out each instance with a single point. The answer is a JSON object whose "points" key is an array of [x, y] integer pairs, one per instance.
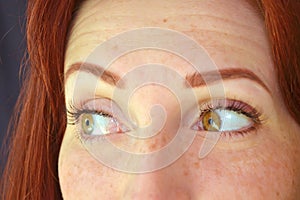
{"points": [[12, 48]]}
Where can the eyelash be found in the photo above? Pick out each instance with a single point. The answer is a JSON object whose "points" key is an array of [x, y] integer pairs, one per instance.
{"points": [[74, 114], [238, 107]]}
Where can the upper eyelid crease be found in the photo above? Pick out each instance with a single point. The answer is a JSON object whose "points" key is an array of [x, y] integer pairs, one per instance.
{"points": [[192, 80]]}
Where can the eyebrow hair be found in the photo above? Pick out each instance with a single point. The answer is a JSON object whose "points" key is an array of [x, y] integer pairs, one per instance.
{"points": [[196, 79], [192, 80], [107, 76]]}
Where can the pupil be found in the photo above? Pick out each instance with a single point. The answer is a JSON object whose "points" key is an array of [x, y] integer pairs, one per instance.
{"points": [[87, 122], [210, 121]]}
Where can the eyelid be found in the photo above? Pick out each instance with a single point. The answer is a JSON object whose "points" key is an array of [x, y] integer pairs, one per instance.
{"points": [[108, 107], [230, 104], [233, 105]]}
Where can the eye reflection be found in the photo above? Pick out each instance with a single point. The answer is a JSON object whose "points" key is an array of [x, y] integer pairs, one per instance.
{"points": [[211, 121], [87, 123]]}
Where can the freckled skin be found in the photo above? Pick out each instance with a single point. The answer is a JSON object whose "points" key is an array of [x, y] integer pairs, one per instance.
{"points": [[263, 165]]}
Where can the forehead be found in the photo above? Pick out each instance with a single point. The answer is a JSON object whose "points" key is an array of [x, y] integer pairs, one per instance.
{"points": [[232, 31]]}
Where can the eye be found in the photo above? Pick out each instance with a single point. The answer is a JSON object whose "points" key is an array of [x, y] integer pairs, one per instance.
{"points": [[223, 120], [227, 116], [94, 118], [100, 124]]}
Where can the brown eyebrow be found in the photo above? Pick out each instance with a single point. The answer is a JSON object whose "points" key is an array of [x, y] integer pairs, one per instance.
{"points": [[192, 80], [94, 69], [196, 79]]}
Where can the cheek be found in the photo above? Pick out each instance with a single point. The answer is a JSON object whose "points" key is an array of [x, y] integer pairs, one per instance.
{"points": [[269, 171], [81, 176]]}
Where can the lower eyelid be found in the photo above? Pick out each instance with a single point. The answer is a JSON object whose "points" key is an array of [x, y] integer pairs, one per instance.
{"points": [[85, 138], [240, 133]]}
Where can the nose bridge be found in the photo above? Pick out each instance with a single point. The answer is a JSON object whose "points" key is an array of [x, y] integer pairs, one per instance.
{"points": [[156, 112], [145, 98]]}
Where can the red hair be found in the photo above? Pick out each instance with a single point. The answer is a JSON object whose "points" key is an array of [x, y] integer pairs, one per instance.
{"points": [[282, 19], [40, 118]]}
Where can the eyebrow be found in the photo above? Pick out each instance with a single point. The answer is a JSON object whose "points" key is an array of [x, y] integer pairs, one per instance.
{"points": [[107, 76], [195, 79]]}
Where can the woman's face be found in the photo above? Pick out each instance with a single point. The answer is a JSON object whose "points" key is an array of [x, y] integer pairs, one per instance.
{"points": [[257, 153]]}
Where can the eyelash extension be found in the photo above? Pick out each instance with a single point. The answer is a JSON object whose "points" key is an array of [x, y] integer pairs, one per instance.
{"points": [[240, 108], [233, 105], [237, 106], [74, 114]]}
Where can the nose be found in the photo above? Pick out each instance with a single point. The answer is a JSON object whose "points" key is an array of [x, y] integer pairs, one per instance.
{"points": [[163, 184], [171, 181]]}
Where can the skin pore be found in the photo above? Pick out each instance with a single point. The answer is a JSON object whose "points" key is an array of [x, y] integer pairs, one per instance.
{"points": [[262, 164]]}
